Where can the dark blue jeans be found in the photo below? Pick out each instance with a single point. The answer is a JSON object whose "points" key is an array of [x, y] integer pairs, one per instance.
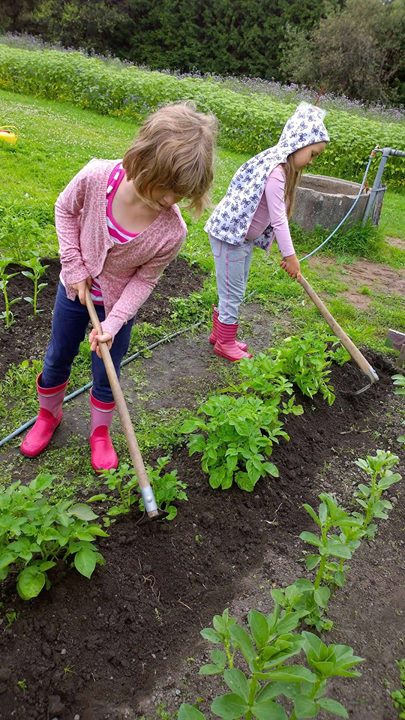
{"points": [[69, 325]]}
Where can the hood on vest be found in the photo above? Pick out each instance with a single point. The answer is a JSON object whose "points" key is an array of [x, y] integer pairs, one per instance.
{"points": [[232, 216], [303, 128]]}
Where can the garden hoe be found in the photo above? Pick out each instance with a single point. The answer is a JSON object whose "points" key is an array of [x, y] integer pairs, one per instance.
{"points": [[136, 457], [351, 348]]}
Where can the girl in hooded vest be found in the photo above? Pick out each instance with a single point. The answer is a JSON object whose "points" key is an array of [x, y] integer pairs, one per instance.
{"points": [[254, 211]]}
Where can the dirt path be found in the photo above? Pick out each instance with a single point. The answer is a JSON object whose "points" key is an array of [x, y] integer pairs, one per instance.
{"points": [[365, 278]]}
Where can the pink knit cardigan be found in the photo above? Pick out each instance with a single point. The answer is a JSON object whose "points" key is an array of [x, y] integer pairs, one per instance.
{"points": [[127, 274]]}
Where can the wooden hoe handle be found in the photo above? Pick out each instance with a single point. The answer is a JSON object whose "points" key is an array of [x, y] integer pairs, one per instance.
{"points": [[351, 348], [136, 457]]}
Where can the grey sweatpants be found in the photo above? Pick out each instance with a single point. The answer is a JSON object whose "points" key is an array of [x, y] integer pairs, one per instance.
{"points": [[232, 265]]}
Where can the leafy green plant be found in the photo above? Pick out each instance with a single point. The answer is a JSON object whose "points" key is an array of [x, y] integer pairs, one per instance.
{"points": [[189, 712], [36, 531], [15, 232], [167, 489], [398, 696], [123, 482], [399, 382], [310, 602], [255, 664], [305, 361], [187, 310], [264, 375], [236, 437], [334, 549], [249, 122], [311, 598], [5, 278], [369, 497], [35, 273], [11, 617]]}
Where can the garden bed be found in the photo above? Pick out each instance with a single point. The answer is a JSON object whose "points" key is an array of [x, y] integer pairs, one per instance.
{"points": [[114, 647], [95, 649], [27, 338]]}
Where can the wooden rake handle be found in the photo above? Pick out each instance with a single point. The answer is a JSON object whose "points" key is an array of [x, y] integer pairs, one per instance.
{"points": [[351, 348], [134, 451]]}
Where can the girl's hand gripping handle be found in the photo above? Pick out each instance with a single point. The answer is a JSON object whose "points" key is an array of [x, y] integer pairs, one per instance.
{"points": [[291, 265]]}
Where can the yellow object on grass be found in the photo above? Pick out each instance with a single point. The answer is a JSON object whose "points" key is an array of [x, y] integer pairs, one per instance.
{"points": [[8, 134]]}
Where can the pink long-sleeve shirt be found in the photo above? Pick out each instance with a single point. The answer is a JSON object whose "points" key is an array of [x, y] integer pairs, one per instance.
{"points": [[272, 211], [127, 274]]}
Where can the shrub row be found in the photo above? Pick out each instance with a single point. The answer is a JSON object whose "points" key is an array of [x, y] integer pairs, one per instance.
{"points": [[248, 123]]}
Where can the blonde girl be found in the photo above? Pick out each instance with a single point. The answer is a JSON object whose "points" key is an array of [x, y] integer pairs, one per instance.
{"points": [[119, 226]]}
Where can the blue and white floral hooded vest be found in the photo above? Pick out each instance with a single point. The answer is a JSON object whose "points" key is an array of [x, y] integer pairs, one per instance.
{"points": [[232, 217]]}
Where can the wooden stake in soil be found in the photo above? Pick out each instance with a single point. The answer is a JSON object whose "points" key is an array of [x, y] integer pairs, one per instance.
{"points": [[136, 457]]}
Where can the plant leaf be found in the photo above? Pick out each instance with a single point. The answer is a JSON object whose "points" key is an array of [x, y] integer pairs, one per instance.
{"points": [[229, 707], [237, 682], [268, 709], [333, 706], [30, 582], [82, 511], [85, 561], [188, 712]]}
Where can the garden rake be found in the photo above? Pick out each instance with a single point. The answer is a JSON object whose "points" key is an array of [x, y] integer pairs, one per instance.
{"points": [[136, 457], [351, 348]]}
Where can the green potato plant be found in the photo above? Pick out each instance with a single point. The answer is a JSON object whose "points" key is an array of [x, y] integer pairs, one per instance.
{"points": [[167, 489], [19, 232], [264, 376], [236, 437], [37, 531], [305, 360]]}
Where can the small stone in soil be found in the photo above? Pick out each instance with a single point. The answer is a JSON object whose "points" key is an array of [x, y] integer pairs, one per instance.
{"points": [[5, 674], [55, 705]]}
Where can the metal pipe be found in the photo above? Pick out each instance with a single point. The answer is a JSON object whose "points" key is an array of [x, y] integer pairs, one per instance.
{"points": [[377, 185]]}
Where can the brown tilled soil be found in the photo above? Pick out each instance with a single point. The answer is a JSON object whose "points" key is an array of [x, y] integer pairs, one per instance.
{"points": [[28, 336], [118, 645]]}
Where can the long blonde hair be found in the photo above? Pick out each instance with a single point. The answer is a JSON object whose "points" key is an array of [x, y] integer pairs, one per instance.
{"points": [[174, 151], [292, 177]]}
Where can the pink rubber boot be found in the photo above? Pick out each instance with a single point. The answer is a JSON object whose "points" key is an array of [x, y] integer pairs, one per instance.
{"points": [[214, 333], [103, 455], [50, 415], [226, 345]]}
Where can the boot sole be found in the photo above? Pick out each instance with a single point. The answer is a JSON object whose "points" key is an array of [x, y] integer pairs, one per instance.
{"points": [[244, 349], [226, 357]]}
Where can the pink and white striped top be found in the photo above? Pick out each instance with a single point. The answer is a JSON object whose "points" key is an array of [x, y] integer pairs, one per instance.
{"points": [[118, 234], [128, 273]]}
